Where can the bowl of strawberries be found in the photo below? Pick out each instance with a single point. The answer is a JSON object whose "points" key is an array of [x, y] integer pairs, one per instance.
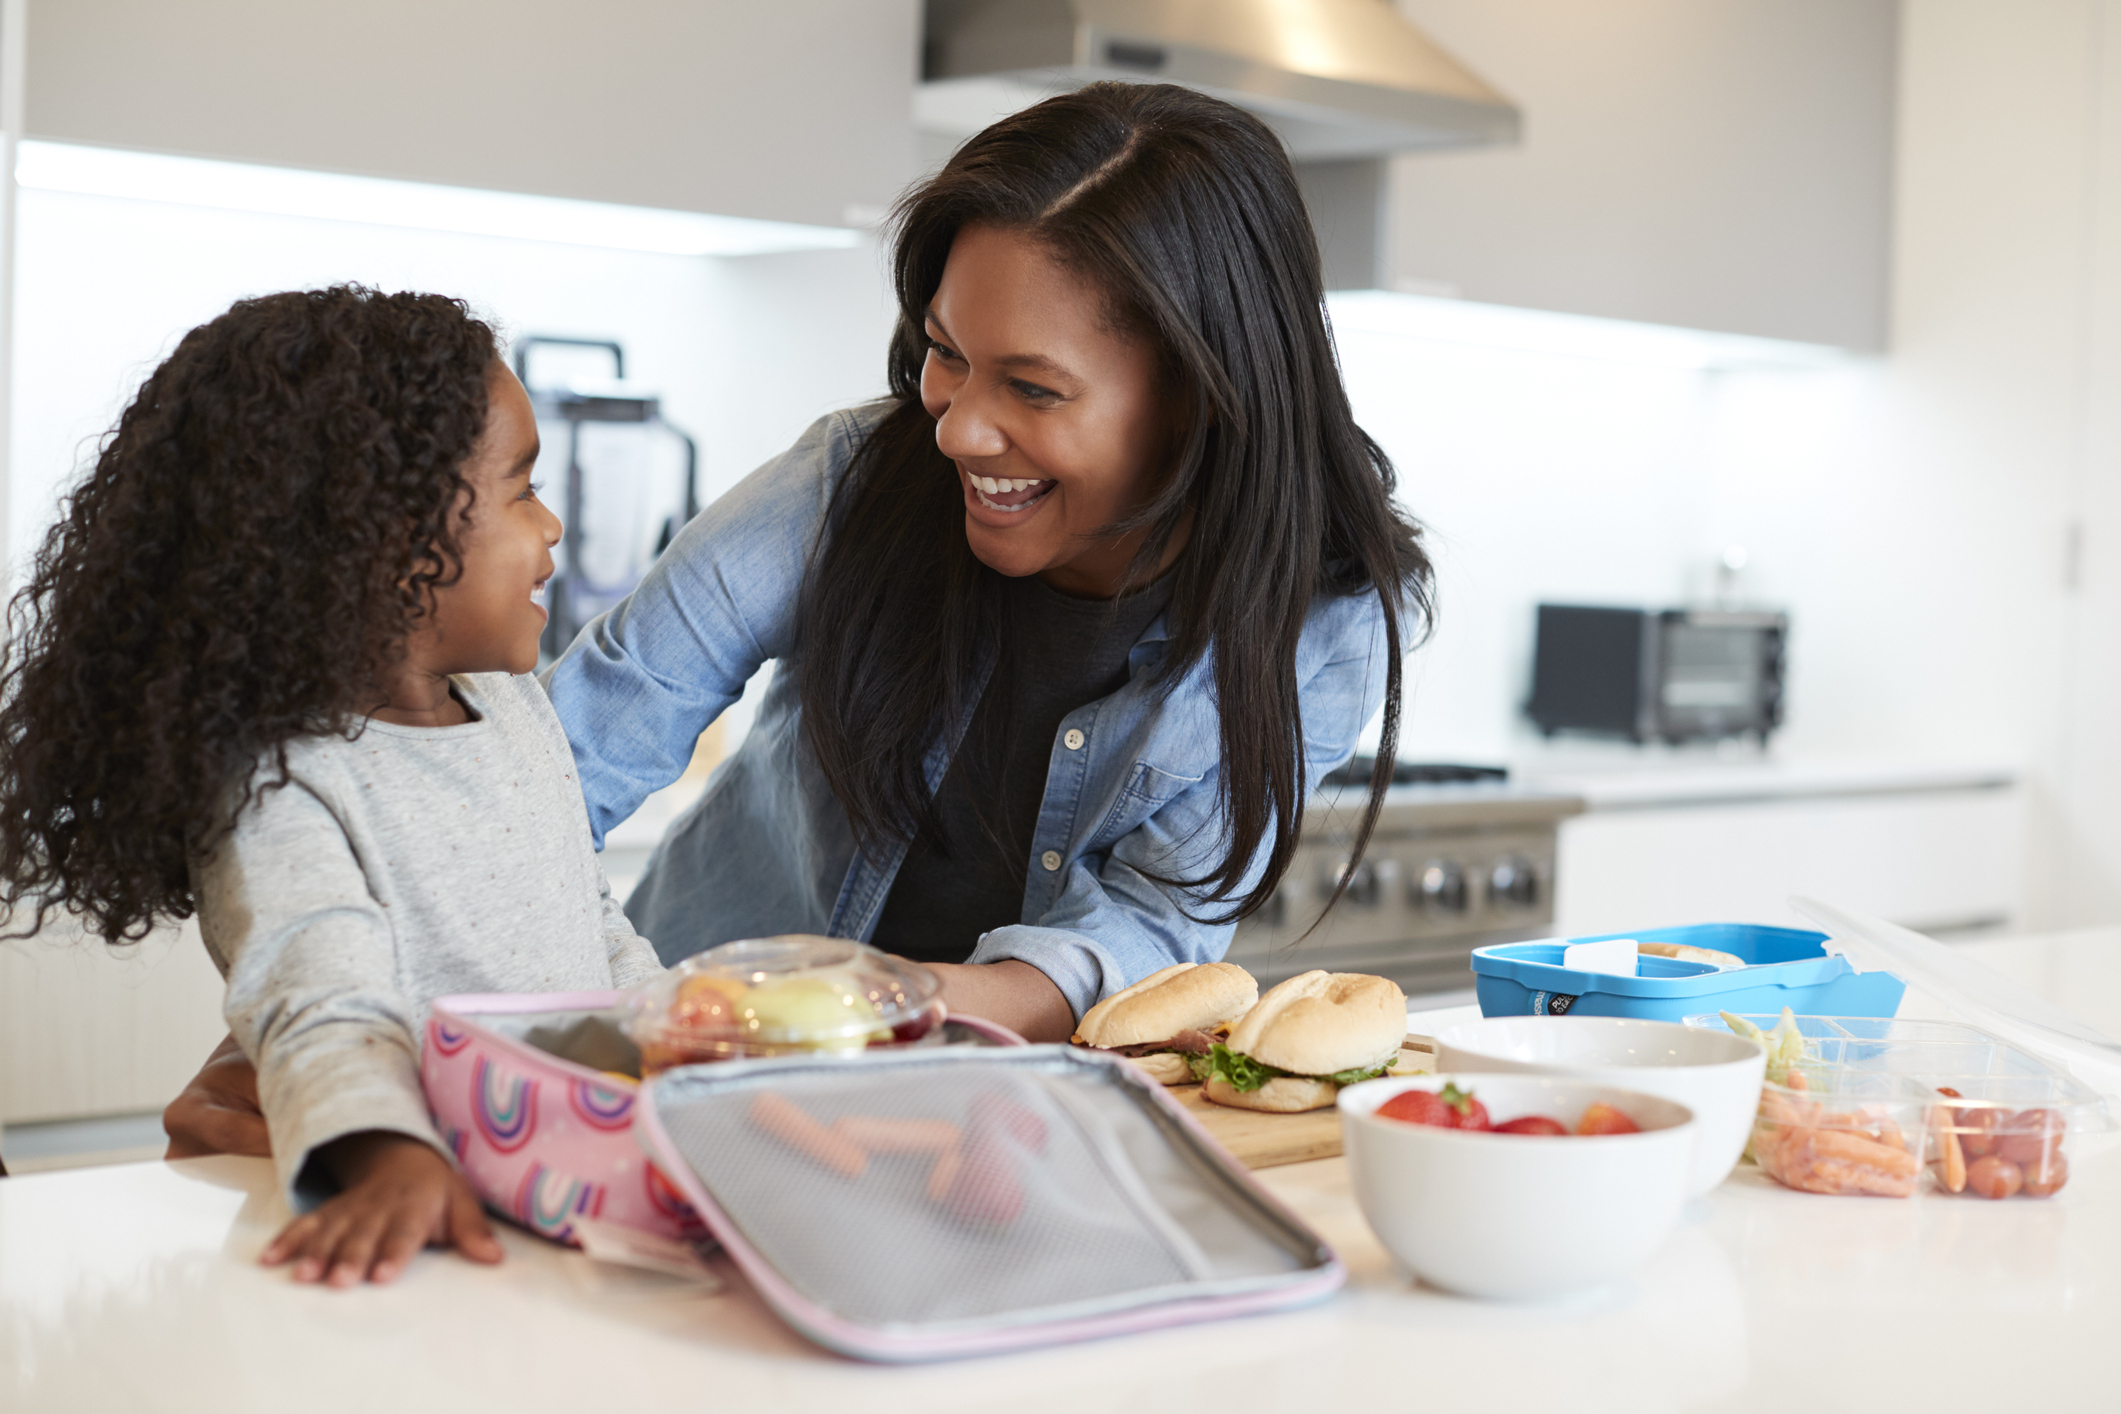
{"points": [[1516, 1186]]}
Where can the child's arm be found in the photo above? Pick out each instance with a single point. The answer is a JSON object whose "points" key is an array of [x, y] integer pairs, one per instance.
{"points": [[313, 995], [633, 959], [396, 1196]]}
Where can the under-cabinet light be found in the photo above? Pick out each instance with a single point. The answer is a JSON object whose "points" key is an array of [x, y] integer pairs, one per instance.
{"points": [[1455, 321], [331, 196]]}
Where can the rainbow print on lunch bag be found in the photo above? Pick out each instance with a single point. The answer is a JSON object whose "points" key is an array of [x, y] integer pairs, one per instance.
{"points": [[546, 1142]]}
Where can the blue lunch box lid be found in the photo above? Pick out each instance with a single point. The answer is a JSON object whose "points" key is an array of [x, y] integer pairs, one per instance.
{"points": [[1780, 957]]}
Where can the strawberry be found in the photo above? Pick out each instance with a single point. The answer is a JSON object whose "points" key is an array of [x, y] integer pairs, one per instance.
{"points": [[1601, 1118], [1419, 1107], [1531, 1124], [1451, 1108], [1471, 1113]]}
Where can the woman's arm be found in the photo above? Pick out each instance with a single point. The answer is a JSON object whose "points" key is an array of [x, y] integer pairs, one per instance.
{"points": [[217, 1112], [1008, 993], [638, 686]]}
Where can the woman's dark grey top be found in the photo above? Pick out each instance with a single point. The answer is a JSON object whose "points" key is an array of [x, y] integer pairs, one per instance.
{"points": [[964, 872]]}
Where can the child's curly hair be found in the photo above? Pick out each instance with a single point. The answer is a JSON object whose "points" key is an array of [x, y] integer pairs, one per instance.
{"points": [[259, 533]]}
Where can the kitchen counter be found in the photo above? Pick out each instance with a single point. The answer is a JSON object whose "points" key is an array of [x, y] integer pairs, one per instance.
{"points": [[1670, 778], [135, 1287]]}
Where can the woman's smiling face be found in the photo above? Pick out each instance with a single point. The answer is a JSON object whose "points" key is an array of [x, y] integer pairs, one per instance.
{"points": [[1056, 420]]}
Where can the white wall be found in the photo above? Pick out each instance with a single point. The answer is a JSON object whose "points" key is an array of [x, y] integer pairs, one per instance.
{"points": [[1916, 513], [745, 351], [1538, 476]]}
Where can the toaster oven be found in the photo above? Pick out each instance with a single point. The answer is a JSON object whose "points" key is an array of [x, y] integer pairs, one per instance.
{"points": [[1671, 675]]}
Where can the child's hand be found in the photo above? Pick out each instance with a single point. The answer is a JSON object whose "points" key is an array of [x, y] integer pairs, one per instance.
{"points": [[399, 1196]]}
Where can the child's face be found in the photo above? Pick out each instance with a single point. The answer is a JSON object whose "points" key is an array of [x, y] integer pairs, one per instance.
{"points": [[490, 620]]}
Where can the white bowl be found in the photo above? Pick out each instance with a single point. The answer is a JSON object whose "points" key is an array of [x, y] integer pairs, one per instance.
{"points": [[1518, 1215], [1713, 1073]]}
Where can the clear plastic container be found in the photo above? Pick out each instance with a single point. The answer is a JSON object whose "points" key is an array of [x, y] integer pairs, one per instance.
{"points": [[1842, 1131], [1985, 1117], [783, 996]]}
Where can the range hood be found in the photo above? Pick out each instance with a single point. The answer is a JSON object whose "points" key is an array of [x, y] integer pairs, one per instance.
{"points": [[1337, 79]]}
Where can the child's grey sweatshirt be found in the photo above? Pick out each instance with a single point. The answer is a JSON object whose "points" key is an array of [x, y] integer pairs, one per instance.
{"points": [[406, 864]]}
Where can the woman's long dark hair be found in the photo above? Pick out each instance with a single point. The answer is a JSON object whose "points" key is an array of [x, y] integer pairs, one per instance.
{"points": [[1185, 212], [255, 540]]}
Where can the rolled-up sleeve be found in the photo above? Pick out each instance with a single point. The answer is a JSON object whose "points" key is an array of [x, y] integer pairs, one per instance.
{"points": [[310, 960]]}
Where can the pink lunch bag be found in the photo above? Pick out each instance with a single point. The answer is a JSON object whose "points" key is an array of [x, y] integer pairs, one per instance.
{"points": [[545, 1140]]}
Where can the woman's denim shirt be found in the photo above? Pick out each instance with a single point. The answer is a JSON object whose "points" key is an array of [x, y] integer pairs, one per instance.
{"points": [[767, 849]]}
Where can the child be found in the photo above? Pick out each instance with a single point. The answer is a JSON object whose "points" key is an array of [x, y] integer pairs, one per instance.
{"points": [[271, 667]]}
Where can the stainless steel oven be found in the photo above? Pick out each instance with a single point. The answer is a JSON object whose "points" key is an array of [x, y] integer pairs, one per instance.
{"points": [[1454, 864]]}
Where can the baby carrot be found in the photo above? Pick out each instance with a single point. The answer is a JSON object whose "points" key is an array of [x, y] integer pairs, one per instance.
{"points": [[789, 1123]]}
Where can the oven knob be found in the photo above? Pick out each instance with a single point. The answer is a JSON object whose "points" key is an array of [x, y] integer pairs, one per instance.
{"points": [[1362, 883], [1440, 887], [1513, 882]]}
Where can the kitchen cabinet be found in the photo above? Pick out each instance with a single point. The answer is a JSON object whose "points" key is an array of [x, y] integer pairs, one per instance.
{"points": [[1721, 166], [87, 1031], [797, 111], [1938, 850]]}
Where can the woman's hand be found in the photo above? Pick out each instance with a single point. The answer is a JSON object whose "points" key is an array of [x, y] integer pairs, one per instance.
{"points": [[218, 1111], [1009, 993], [399, 1195]]}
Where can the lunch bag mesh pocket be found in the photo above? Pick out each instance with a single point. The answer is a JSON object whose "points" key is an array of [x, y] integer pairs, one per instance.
{"points": [[1038, 1210]]}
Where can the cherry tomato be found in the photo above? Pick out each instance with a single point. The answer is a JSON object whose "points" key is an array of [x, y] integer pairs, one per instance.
{"points": [[2046, 1177], [1602, 1118], [1977, 1131], [2029, 1137], [1531, 1124], [917, 1026], [1994, 1177]]}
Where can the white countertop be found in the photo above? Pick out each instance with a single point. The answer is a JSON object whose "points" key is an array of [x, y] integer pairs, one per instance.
{"points": [[1667, 778], [135, 1288]]}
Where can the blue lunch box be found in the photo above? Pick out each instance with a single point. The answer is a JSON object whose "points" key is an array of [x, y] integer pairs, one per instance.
{"points": [[1785, 967]]}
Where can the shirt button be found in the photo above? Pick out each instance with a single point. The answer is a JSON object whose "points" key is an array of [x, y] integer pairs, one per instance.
{"points": [[1051, 859], [1073, 740]]}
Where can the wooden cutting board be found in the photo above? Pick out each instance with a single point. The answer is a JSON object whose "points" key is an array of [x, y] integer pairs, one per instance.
{"points": [[1263, 1141]]}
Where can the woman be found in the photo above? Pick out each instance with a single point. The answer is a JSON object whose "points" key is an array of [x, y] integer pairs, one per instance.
{"points": [[1066, 626]]}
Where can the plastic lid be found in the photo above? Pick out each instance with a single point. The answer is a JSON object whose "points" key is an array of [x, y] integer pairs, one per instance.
{"points": [[772, 996], [1980, 994]]}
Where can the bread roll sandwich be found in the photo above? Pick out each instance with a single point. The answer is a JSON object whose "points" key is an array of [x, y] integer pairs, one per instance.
{"points": [[1170, 1015], [1307, 1037]]}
